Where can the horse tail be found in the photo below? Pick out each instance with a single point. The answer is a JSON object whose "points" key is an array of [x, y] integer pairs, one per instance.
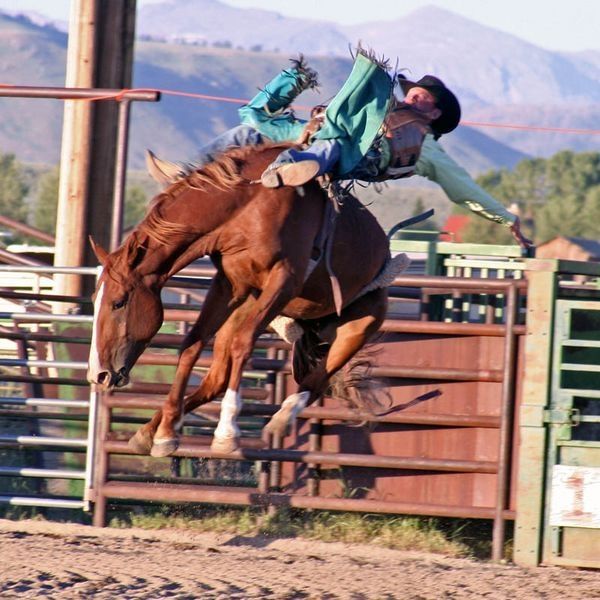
{"points": [[307, 351], [354, 384], [356, 387]]}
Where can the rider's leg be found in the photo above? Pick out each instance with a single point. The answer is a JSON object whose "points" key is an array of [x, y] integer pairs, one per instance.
{"points": [[166, 172], [297, 167], [236, 137], [267, 111], [264, 112]]}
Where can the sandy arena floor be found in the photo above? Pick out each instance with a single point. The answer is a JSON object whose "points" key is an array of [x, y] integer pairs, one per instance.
{"points": [[55, 560]]}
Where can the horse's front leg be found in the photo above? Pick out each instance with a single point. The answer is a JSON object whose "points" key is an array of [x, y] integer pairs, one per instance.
{"points": [[158, 437], [148, 439], [250, 320]]}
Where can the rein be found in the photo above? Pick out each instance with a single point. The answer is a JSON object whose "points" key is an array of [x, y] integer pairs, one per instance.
{"points": [[410, 221]]}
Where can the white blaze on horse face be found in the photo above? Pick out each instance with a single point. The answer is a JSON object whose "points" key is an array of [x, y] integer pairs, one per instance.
{"points": [[94, 366], [230, 409]]}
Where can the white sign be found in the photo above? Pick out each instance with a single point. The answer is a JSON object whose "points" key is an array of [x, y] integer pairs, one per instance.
{"points": [[575, 496]]}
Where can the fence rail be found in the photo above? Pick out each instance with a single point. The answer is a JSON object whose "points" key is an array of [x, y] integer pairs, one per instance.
{"points": [[477, 398]]}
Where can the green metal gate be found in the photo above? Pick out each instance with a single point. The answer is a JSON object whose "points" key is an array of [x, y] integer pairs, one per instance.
{"points": [[572, 524], [558, 492]]}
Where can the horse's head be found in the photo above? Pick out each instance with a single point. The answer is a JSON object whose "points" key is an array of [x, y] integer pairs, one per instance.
{"points": [[127, 314]]}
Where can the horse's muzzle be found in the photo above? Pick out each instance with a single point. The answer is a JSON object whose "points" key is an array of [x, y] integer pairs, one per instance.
{"points": [[109, 379]]}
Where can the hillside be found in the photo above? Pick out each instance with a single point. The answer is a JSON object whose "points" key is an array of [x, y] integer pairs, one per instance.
{"points": [[31, 55], [498, 85], [34, 55]]}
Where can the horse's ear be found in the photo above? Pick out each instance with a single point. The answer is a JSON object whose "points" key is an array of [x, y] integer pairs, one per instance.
{"points": [[99, 251], [135, 252]]}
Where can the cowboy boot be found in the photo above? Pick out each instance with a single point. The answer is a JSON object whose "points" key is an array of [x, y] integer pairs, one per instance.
{"points": [[163, 171], [293, 174]]}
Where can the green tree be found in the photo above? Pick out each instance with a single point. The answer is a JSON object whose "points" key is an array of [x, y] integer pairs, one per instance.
{"points": [[13, 188], [44, 216], [135, 205], [555, 196], [591, 212], [46, 201], [482, 231]]}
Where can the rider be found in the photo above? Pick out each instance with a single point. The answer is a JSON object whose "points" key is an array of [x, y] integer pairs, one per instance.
{"points": [[364, 133]]}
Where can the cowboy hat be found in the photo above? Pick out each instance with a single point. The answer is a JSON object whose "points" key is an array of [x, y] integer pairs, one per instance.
{"points": [[445, 100]]}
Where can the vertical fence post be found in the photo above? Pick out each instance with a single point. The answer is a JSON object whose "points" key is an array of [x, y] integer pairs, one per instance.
{"points": [[506, 424], [541, 300], [101, 462], [116, 226], [90, 458]]}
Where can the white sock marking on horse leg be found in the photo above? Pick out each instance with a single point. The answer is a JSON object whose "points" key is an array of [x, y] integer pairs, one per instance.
{"points": [[94, 366], [230, 409], [296, 402]]}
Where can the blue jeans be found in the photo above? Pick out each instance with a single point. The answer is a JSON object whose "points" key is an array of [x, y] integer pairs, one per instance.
{"points": [[236, 137], [325, 152]]}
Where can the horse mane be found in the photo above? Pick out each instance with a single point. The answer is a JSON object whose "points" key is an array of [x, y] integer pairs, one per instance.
{"points": [[223, 174], [156, 227]]}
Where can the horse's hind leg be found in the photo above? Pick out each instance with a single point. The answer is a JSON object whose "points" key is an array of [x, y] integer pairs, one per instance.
{"points": [[358, 322], [160, 430]]}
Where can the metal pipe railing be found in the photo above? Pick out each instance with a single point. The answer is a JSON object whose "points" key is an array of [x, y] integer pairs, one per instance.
{"points": [[41, 440], [124, 98], [38, 234], [99, 488], [323, 413], [44, 402], [328, 458], [49, 473], [42, 502], [220, 495], [506, 426]]}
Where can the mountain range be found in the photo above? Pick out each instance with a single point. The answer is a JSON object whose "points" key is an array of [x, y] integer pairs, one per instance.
{"points": [[209, 47]]}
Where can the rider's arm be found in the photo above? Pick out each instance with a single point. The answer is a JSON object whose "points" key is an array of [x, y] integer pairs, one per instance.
{"points": [[435, 164]]}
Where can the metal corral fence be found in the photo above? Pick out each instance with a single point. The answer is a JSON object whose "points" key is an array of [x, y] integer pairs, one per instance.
{"points": [[452, 368]]}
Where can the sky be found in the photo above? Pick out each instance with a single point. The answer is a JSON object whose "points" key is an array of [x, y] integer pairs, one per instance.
{"points": [[569, 25]]}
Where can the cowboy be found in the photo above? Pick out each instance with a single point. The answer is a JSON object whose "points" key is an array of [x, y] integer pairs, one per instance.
{"points": [[364, 133]]}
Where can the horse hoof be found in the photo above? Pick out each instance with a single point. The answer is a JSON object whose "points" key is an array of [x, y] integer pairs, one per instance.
{"points": [[278, 425], [140, 442], [225, 445], [162, 448]]}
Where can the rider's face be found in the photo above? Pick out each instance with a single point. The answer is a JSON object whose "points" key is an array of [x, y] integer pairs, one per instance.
{"points": [[421, 99]]}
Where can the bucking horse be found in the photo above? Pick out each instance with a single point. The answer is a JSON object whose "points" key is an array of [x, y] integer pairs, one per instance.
{"points": [[262, 243]]}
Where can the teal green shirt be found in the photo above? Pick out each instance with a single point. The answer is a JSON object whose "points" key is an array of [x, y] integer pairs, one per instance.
{"points": [[435, 164]]}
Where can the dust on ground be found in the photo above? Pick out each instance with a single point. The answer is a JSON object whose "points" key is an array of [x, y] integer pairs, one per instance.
{"points": [[57, 560]]}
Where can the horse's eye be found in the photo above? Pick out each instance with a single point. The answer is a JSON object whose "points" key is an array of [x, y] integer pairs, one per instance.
{"points": [[117, 304]]}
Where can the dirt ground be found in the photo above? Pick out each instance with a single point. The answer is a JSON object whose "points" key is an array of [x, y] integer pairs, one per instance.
{"points": [[56, 560]]}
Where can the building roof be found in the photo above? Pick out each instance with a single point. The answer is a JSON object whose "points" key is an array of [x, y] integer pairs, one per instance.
{"points": [[590, 247], [454, 227]]}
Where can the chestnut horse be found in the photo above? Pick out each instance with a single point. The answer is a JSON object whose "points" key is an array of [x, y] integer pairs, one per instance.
{"points": [[260, 241]]}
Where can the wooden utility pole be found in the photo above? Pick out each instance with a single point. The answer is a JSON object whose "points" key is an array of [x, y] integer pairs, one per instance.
{"points": [[99, 55]]}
